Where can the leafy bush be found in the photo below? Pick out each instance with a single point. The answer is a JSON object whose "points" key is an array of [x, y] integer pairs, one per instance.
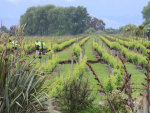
{"points": [[78, 70], [117, 100], [90, 30], [75, 95], [110, 83]]}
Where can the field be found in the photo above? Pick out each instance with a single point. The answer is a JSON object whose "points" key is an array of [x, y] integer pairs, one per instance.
{"points": [[68, 57]]}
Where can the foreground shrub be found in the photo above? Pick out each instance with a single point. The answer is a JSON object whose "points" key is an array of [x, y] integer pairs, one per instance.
{"points": [[117, 100], [21, 88], [75, 95], [21, 85]]}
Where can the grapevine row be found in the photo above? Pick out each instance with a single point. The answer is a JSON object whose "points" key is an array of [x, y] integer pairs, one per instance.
{"points": [[131, 56]]}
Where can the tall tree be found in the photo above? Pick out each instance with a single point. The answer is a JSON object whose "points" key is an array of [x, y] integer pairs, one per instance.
{"points": [[79, 20], [96, 23], [146, 14], [4, 29], [49, 19]]}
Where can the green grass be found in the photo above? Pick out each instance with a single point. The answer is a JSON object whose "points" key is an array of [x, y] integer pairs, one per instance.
{"points": [[65, 54], [137, 77], [88, 50], [46, 56], [64, 69], [102, 72]]}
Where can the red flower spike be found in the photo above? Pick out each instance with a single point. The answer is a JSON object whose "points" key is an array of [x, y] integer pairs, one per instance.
{"points": [[145, 74], [98, 84], [135, 98], [93, 73], [11, 27], [141, 94], [96, 78], [101, 91], [145, 78], [134, 90]]}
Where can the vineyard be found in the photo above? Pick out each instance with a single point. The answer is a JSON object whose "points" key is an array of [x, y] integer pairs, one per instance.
{"points": [[107, 73]]}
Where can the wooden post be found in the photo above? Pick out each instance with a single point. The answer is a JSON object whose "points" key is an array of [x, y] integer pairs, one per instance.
{"points": [[140, 51], [78, 59], [117, 58], [128, 48], [142, 41], [109, 69], [23, 44], [81, 56], [107, 49], [72, 65], [72, 62], [58, 70], [50, 56], [112, 72], [114, 53], [28, 41], [76, 39], [51, 44]]}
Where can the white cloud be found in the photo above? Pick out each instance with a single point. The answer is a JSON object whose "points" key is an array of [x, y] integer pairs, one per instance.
{"points": [[69, 0], [109, 23], [93, 15], [112, 23], [13, 0]]}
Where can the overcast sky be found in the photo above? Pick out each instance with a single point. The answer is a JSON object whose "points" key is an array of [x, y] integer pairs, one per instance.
{"points": [[115, 13]]}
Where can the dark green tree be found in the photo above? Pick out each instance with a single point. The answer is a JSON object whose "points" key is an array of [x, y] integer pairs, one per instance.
{"points": [[4, 29], [146, 14], [79, 20], [52, 20]]}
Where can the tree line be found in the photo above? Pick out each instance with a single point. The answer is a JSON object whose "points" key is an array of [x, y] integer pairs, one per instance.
{"points": [[52, 20]]}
